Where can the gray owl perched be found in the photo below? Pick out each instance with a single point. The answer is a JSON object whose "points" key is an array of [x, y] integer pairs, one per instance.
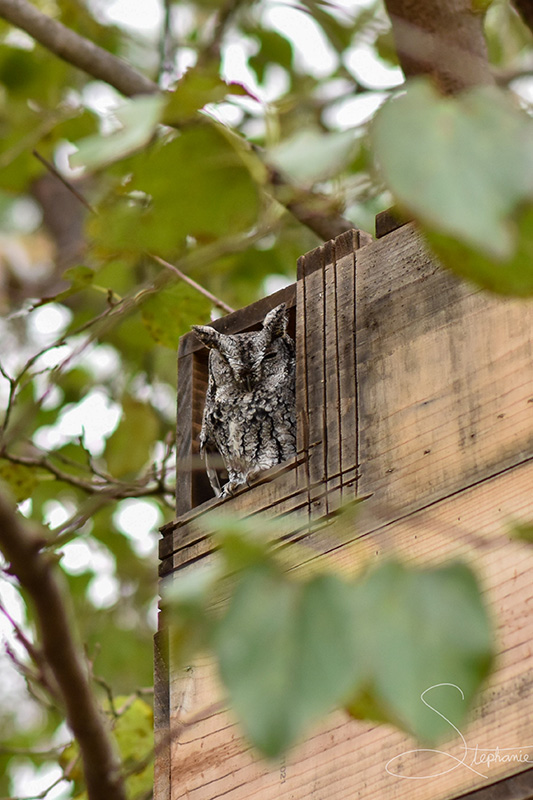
{"points": [[249, 414]]}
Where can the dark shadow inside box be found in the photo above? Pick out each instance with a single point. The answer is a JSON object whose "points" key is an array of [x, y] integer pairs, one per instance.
{"points": [[200, 487]]}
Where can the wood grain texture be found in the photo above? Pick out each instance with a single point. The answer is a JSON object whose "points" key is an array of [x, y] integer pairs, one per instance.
{"points": [[161, 716], [444, 375], [346, 759]]}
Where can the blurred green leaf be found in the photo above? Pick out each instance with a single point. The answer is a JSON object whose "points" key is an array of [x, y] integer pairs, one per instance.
{"points": [[311, 155], [129, 448], [287, 653], [138, 119], [522, 531], [20, 478], [169, 313], [512, 276], [461, 165], [200, 85], [417, 629], [80, 277], [273, 49], [197, 184], [188, 599], [133, 732]]}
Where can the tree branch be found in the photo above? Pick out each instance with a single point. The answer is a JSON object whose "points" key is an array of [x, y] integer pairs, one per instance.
{"points": [[443, 40], [22, 548], [104, 66], [75, 49], [116, 490], [525, 11]]}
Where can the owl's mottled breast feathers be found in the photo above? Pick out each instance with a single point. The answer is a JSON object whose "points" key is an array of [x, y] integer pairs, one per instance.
{"points": [[249, 413]]}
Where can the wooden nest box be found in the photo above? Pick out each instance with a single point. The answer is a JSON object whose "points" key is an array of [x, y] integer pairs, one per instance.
{"points": [[415, 388]]}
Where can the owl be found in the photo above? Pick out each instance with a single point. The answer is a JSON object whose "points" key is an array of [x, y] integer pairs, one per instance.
{"points": [[249, 414]]}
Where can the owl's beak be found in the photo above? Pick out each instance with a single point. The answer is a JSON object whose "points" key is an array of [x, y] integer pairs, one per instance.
{"points": [[249, 383]]}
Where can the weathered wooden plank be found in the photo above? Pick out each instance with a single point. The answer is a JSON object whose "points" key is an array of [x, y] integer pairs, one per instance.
{"points": [[387, 221], [332, 396], [346, 759], [161, 716], [184, 435], [444, 372], [189, 541], [346, 311], [312, 317], [309, 262]]}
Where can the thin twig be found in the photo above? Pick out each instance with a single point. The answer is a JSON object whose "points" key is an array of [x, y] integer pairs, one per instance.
{"points": [[65, 181], [10, 400], [211, 297], [75, 49], [118, 490]]}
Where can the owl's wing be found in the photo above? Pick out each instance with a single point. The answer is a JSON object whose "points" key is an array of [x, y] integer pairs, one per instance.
{"points": [[212, 474], [207, 442]]}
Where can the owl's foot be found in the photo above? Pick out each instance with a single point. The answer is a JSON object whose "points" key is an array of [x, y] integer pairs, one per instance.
{"points": [[229, 489], [232, 486]]}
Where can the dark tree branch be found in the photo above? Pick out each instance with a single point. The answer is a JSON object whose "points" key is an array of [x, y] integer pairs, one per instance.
{"points": [[442, 40], [23, 549], [104, 66], [116, 490], [75, 49], [525, 10]]}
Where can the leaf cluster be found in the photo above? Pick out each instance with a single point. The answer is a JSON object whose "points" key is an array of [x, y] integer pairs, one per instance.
{"points": [[291, 648]]}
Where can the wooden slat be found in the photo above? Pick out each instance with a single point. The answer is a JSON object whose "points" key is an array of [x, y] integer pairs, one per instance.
{"points": [[345, 759], [161, 716], [312, 318], [346, 311], [388, 221], [332, 399], [184, 434]]}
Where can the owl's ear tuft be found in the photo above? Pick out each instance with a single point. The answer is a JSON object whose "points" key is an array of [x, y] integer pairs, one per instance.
{"points": [[207, 335], [276, 320]]}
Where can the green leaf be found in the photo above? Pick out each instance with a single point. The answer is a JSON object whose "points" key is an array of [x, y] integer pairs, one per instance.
{"points": [[188, 600], [274, 49], [310, 155], [197, 184], [200, 85], [133, 733], [287, 653], [80, 277], [130, 446], [512, 276], [20, 478], [202, 182], [138, 119], [460, 165], [169, 313], [418, 629], [522, 531]]}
